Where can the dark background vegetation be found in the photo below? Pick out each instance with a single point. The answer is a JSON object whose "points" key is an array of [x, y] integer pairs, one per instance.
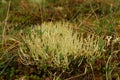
{"points": [[101, 17]]}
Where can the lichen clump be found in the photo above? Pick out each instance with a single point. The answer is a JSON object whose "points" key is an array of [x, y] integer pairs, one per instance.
{"points": [[56, 43]]}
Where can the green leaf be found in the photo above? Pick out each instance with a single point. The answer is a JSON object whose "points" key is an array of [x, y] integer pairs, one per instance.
{"points": [[46, 48], [40, 32]]}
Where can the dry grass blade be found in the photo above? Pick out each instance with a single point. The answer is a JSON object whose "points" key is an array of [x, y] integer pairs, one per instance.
{"points": [[4, 26]]}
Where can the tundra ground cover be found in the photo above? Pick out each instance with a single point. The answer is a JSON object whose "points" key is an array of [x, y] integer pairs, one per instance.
{"points": [[56, 40]]}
